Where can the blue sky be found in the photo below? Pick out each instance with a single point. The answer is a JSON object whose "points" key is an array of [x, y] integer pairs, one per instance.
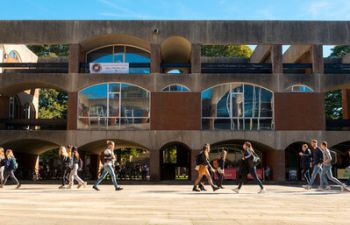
{"points": [[177, 10]]}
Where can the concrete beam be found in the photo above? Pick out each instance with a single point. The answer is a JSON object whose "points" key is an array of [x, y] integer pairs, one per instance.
{"points": [[261, 54], [297, 54]]}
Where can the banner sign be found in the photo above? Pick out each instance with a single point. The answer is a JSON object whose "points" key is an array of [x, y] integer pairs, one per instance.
{"points": [[109, 67]]}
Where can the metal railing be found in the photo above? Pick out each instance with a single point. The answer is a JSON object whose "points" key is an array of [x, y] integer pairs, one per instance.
{"points": [[236, 68], [33, 124], [338, 125], [34, 67], [336, 68]]}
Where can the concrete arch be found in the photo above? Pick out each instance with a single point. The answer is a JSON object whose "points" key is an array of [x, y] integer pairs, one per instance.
{"points": [[178, 84], [176, 49], [246, 83], [256, 145], [114, 38], [299, 85], [30, 145]]}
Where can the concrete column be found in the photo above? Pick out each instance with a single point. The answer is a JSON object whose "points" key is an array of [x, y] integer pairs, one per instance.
{"points": [[72, 111], [74, 59], [196, 58], [346, 103], [154, 165], [275, 159], [94, 165], [28, 163], [155, 58], [4, 109], [276, 59], [317, 58], [193, 172]]}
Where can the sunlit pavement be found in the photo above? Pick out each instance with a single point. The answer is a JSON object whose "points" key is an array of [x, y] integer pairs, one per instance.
{"points": [[171, 204]]}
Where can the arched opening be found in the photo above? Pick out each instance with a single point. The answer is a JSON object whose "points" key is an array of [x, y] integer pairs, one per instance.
{"points": [[175, 162], [342, 160], [234, 155], [237, 106], [292, 161], [299, 88], [114, 106], [176, 88], [176, 54], [132, 159]]}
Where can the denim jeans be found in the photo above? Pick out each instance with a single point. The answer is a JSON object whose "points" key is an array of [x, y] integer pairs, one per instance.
{"points": [[327, 174], [7, 174], [316, 170], [252, 172], [107, 169], [73, 175]]}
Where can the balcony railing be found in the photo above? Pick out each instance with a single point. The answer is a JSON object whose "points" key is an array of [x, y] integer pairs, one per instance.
{"points": [[33, 124], [297, 68], [34, 67], [338, 125], [336, 68], [236, 68]]}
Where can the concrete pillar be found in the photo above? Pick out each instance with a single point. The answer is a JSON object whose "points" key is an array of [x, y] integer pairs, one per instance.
{"points": [[275, 159], [193, 172], [155, 58], [276, 59], [94, 165], [4, 109], [72, 111], [27, 163], [75, 57], [154, 165], [196, 58], [346, 103], [317, 58]]}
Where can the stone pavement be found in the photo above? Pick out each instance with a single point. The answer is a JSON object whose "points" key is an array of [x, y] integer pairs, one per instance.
{"points": [[171, 204]]}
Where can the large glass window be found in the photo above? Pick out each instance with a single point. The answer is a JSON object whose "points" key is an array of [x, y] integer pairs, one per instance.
{"points": [[237, 106], [122, 54], [175, 88], [114, 106]]}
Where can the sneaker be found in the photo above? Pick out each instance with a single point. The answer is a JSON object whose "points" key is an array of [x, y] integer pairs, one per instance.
{"points": [[262, 191], [236, 190], [307, 187], [195, 188], [85, 184], [201, 186], [96, 188], [18, 186], [62, 187], [215, 188], [79, 185], [221, 187], [119, 188], [328, 188], [341, 188], [69, 187], [320, 189]]}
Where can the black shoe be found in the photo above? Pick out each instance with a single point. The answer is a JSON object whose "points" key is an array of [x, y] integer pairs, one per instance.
{"points": [[96, 188], [215, 188], [119, 188], [221, 187], [201, 186], [195, 188], [18, 186]]}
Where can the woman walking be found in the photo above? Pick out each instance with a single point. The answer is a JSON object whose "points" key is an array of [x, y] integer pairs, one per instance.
{"points": [[66, 165], [248, 165], [73, 175], [108, 167], [221, 167], [10, 168], [2, 165], [202, 166]]}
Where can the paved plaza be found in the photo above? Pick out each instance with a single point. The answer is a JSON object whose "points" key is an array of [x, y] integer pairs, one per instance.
{"points": [[171, 204]]}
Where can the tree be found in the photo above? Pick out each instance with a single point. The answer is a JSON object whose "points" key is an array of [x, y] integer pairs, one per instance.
{"points": [[333, 105], [339, 51], [49, 50], [227, 51], [52, 104]]}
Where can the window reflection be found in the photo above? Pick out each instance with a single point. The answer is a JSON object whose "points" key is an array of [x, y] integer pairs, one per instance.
{"points": [[299, 88], [237, 106], [114, 106], [175, 88]]}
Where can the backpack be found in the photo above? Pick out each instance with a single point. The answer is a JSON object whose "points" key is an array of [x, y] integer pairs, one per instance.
{"points": [[81, 164], [13, 164], [200, 159]]}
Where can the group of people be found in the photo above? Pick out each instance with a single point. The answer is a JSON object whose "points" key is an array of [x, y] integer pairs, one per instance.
{"points": [[318, 159]]}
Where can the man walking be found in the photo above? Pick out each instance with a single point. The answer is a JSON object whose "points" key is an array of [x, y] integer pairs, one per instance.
{"points": [[317, 160]]}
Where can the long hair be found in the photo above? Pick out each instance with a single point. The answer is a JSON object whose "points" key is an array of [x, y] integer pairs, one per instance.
{"points": [[9, 154], [249, 145], [62, 151], [69, 150], [75, 152], [2, 153]]}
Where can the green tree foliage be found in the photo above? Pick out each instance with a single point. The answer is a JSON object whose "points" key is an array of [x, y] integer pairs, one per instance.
{"points": [[52, 104], [227, 51], [333, 105], [49, 50], [339, 51]]}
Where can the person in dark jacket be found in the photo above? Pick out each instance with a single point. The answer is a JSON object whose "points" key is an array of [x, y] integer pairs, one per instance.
{"points": [[317, 160], [10, 168], [305, 162], [248, 166], [66, 165]]}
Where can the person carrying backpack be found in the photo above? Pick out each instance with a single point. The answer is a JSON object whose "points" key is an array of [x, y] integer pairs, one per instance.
{"points": [[73, 175], [248, 164], [202, 165], [10, 168]]}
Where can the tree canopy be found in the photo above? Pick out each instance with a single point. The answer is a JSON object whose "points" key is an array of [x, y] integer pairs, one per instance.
{"points": [[49, 50], [227, 51], [52, 104], [339, 51]]}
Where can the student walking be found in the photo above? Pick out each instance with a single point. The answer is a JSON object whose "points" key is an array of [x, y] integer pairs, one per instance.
{"points": [[220, 167], [10, 168], [108, 158], [248, 164], [202, 165], [305, 162], [327, 169], [2, 164], [317, 160], [73, 175], [66, 164]]}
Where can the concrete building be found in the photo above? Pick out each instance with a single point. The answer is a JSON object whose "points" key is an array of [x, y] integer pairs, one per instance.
{"points": [[172, 100]]}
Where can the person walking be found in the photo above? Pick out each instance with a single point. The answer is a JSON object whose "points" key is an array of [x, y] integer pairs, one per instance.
{"points": [[317, 160], [66, 164], [305, 162], [348, 166], [221, 158], [248, 164], [73, 175], [202, 165], [108, 158], [327, 170], [2, 164], [10, 168]]}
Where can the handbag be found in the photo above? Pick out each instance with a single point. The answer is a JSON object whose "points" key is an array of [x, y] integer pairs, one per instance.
{"points": [[256, 159]]}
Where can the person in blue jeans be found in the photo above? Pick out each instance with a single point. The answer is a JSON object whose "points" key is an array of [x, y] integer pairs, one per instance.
{"points": [[317, 160], [108, 167], [348, 168]]}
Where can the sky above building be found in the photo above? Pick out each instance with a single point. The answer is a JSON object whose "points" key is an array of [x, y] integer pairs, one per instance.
{"points": [[176, 10]]}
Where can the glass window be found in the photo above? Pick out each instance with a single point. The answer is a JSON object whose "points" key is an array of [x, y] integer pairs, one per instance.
{"points": [[299, 88], [114, 106], [237, 106], [176, 88]]}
